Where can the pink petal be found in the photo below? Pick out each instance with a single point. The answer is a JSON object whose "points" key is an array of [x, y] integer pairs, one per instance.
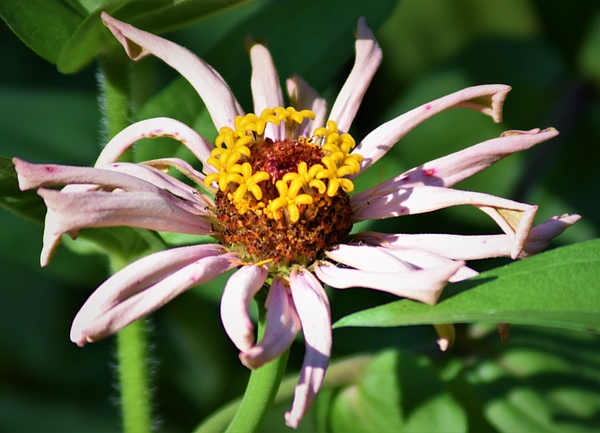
{"points": [[452, 169], [214, 91], [541, 235], [304, 97], [487, 99], [266, 90], [235, 301], [313, 308], [163, 164], [163, 180], [32, 176], [473, 247], [69, 212], [450, 246], [420, 259], [424, 285], [97, 318], [152, 128], [283, 324], [367, 258], [421, 199], [368, 58]]}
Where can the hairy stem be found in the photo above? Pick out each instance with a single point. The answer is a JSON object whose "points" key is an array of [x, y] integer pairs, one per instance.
{"points": [[132, 347]]}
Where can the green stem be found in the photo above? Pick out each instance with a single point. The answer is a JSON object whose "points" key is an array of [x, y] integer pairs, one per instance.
{"points": [[132, 347], [132, 355], [262, 387], [338, 374], [116, 69]]}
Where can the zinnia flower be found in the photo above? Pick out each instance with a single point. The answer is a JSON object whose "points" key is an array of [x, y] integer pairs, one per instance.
{"points": [[274, 192]]}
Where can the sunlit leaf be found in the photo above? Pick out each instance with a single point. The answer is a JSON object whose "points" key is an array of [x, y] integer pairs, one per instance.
{"points": [[398, 392], [558, 288], [544, 380]]}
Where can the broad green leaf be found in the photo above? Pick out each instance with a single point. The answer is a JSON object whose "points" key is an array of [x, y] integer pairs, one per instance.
{"points": [[182, 14], [91, 37], [43, 25], [122, 244], [544, 380], [398, 392], [559, 288], [155, 16], [26, 204]]}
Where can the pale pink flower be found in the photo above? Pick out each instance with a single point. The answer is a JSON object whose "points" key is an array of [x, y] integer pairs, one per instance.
{"points": [[256, 194]]}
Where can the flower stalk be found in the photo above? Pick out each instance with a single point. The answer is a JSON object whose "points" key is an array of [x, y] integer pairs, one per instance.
{"points": [[132, 346], [263, 384], [134, 378]]}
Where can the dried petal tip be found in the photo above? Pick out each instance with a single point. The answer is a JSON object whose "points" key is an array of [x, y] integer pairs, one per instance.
{"points": [[534, 131], [446, 334], [504, 331]]}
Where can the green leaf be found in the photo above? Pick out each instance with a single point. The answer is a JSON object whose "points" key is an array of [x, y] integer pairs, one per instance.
{"points": [[182, 14], [91, 37], [43, 25], [122, 244], [155, 16], [398, 392], [544, 380], [559, 288], [26, 204]]}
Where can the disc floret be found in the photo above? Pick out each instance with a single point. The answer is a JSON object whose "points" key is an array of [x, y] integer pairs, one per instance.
{"points": [[282, 200]]}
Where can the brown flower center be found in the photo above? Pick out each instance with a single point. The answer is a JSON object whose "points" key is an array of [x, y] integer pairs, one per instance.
{"points": [[284, 201]]}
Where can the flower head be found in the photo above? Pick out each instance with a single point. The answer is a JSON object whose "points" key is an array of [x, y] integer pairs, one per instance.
{"points": [[274, 192]]}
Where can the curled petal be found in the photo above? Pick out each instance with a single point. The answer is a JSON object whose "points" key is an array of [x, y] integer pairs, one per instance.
{"points": [[160, 179], [367, 258], [451, 246], [266, 90], [473, 247], [69, 212], [214, 91], [420, 259], [487, 99], [421, 199], [368, 58], [541, 235], [283, 324], [237, 295], [515, 222], [423, 285], [144, 286], [304, 97], [452, 169], [32, 176], [313, 308], [152, 128]]}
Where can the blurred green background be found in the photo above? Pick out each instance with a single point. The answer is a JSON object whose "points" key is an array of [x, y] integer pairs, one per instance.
{"points": [[547, 51]]}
